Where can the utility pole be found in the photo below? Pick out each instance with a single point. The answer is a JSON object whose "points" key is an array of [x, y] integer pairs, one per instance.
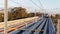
{"points": [[35, 12], [58, 27], [5, 16]]}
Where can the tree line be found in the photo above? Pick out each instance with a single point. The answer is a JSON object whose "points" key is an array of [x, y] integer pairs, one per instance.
{"points": [[16, 13], [55, 18]]}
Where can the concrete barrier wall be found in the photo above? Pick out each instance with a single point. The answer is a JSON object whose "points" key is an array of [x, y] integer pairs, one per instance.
{"points": [[16, 21]]}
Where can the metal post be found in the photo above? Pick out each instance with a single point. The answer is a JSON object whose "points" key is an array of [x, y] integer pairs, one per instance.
{"points": [[58, 27], [5, 16], [35, 12]]}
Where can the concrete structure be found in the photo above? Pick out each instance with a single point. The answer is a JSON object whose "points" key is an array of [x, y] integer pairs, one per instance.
{"points": [[58, 27]]}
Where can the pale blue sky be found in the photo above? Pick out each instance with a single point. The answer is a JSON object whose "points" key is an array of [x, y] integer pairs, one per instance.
{"points": [[47, 4]]}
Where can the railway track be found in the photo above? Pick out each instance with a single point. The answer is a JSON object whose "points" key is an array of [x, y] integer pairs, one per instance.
{"points": [[42, 26]]}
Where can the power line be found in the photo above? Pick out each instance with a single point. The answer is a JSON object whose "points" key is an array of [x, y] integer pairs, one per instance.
{"points": [[42, 7], [30, 0], [15, 2], [35, 4], [41, 4]]}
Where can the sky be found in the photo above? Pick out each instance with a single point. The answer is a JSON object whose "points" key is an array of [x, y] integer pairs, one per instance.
{"points": [[46, 4]]}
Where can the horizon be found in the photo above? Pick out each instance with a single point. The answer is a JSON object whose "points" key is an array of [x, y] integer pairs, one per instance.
{"points": [[46, 4]]}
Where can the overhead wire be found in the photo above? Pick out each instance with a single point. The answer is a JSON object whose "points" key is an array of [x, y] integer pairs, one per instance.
{"points": [[30, 0], [34, 3], [15, 2], [41, 4]]}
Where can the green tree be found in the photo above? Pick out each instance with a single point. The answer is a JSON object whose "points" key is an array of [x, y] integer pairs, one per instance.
{"points": [[1, 17]]}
